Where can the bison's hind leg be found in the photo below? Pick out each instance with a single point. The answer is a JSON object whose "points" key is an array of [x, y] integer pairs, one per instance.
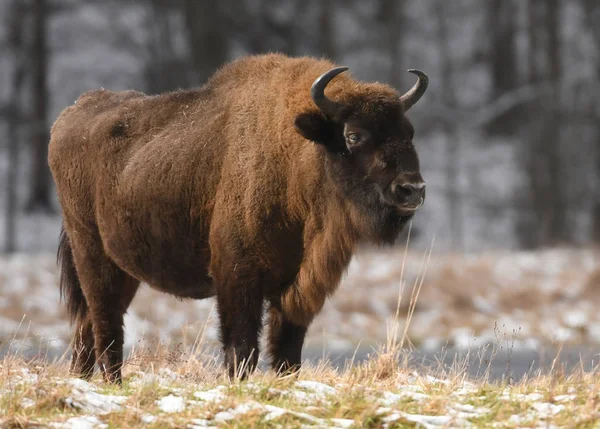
{"points": [[84, 358], [108, 291]]}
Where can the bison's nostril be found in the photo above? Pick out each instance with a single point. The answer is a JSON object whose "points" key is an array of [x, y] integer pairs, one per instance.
{"points": [[413, 192]]}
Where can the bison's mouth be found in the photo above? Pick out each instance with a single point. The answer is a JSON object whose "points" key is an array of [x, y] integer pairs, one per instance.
{"points": [[407, 209]]}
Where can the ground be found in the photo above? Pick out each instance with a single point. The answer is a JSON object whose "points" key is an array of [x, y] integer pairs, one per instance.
{"points": [[189, 392]]}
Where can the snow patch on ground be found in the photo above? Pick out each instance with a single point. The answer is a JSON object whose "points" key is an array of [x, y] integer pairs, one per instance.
{"points": [[171, 404], [81, 422]]}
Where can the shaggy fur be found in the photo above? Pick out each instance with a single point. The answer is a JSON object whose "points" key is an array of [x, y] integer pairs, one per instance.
{"points": [[220, 191]]}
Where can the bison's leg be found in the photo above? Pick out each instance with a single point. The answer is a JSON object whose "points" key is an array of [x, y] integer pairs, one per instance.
{"points": [[285, 342], [108, 292], [84, 357], [240, 307]]}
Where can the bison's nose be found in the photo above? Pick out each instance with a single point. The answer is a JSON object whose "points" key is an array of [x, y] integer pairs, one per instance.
{"points": [[413, 193]]}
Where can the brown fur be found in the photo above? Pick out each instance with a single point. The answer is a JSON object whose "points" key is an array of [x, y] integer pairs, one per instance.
{"points": [[216, 191]]}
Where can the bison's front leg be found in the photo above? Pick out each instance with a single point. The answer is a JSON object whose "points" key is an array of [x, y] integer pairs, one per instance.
{"points": [[285, 342], [240, 306]]}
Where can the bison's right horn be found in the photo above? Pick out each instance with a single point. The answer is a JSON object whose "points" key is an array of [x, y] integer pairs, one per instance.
{"points": [[317, 92], [416, 92]]}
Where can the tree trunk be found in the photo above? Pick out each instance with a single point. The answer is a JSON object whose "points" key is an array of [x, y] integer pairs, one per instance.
{"points": [[592, 12], [13, 119], [40, 194], [529, 223], [453, 157], [557, 205], [501, 19], [208, 42], [326, 44], [391, 18]]}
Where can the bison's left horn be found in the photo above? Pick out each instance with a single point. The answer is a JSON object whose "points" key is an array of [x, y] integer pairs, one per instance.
{"points": [[416, 92], [317, 92]]}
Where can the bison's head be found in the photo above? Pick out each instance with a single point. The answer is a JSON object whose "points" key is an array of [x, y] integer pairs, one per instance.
{"points": [[368, 141]]}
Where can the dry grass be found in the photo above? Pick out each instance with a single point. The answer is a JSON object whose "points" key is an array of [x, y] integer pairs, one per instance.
{"points": [[380, 392]]}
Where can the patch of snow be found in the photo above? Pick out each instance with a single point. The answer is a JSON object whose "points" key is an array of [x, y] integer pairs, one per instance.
{"points": [[428, 422], [82, 422], [274, 412], [316, 387], [224, 416], [434, 380], [82, 385], [213, 395], [467, 411], [524, 397], [343, 423], [565, 398], [546, 409], [148, 418], [390, 398], [171, 404], [575, 318], [280, 411], [85, 399], [200, 423]]}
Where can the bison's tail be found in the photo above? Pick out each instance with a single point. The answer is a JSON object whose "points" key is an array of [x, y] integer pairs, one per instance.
{"points": [[70, 288]]}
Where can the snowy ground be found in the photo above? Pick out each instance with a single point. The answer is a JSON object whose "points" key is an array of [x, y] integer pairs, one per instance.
{"points": [[522, 299], [376, 394]]}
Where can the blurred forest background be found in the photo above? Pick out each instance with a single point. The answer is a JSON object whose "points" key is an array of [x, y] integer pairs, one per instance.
{"points": [[508, 134]]}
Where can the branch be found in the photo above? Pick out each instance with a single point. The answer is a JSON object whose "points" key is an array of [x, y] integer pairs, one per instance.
{"points": [[480, 116]]}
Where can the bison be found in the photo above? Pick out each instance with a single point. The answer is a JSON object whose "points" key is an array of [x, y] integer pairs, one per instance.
{"points": [[256, 187]]}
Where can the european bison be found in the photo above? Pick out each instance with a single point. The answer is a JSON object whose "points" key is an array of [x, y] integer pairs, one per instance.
{"points": [[256, 187]]}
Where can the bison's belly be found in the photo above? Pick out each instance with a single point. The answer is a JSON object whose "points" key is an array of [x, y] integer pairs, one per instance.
{"points": [[172, 258]]}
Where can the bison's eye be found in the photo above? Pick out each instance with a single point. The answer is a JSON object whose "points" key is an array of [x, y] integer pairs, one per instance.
{"points": [[354, 138]]}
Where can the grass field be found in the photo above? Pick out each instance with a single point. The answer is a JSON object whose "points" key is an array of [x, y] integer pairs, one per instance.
{"points": [[188, 390]]}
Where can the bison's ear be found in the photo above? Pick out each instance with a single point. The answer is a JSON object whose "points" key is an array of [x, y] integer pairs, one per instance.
{"points": [[315, 127]]}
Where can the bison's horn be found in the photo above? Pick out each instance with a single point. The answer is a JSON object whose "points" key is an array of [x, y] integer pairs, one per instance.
{"points": [[317, 92], [416, 92]]}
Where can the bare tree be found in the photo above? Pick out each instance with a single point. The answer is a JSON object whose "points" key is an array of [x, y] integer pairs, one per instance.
{"points": [[557, 204], [501, 18], [592, 13], [12, 114], [40, 194], [390, 15], [448, 98], [209, 44], [165, 70], [326, 33]]}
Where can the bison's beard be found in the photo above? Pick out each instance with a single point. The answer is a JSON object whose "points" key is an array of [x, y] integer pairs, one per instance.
{"points": [[383, 223], [388, 223]]}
